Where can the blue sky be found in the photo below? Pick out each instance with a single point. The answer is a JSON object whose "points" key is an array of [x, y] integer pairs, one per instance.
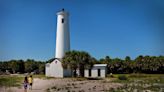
{"points": [[117, 28]]}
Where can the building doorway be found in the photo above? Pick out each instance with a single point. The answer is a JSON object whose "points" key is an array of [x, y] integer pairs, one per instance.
{"points": [[90, 73], [99, 72]]}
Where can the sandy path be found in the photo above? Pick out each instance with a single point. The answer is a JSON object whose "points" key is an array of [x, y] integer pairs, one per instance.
{"points": [[65, 85], [40, 85]]}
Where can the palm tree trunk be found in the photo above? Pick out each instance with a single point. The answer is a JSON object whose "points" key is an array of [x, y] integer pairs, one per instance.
{"points": [[81, 70]]}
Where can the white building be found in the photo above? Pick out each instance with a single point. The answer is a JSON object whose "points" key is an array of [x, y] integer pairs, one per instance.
{"points": [[55, 69], [98, 70]]}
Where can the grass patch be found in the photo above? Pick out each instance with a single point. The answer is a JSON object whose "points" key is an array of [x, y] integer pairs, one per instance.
{"points": [[15, 80], [42, 76], [11, 81], [140, 82], [122, 77], [39, 76]]}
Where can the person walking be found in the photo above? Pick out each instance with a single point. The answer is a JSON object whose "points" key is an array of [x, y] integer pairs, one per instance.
{"points": [[30, 81], [25, 84]]}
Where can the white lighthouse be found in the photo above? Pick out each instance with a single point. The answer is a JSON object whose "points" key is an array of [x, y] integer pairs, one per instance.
{"points": [[62, 34], [55, 69]]}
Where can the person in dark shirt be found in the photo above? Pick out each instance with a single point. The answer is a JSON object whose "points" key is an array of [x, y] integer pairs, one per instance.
{"points": [[25, 84]]}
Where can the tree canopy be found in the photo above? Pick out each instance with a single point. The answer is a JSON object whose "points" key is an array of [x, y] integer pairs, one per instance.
{"points": [[77, 60], [80, 60]]}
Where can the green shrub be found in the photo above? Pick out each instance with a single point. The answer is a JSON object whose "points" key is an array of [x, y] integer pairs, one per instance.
{"points": [[122, 77]]}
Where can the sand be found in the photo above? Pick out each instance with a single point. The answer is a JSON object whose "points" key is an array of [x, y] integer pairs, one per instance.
{"points": [[66, 85]]}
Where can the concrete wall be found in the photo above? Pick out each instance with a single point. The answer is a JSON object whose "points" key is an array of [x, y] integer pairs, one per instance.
{"points": [[94, 71], [86, 73], [54, 69], [47, 70]]}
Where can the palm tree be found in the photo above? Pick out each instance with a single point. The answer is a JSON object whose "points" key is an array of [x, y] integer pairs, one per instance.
{"points": [[127, 58], [76, 60], [126, 64]]}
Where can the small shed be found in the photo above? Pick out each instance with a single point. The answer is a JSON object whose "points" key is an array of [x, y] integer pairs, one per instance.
{"points": [[55, 69], [98, 70]]}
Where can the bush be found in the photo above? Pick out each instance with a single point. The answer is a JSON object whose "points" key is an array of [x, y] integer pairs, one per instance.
{"points": [[122, 77]]}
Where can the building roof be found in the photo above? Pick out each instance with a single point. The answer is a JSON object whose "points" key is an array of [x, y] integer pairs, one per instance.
{"points": [[100, 65], [62, 12]]}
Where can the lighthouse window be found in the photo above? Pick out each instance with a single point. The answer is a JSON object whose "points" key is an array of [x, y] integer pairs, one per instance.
{"points": [[62, 20]]}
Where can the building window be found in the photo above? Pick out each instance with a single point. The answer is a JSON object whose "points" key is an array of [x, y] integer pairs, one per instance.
{"points": [[62, 20]]}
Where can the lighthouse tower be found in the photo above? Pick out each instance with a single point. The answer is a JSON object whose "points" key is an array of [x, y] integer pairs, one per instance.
{"points": [[55, 68], [62, 34]]}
